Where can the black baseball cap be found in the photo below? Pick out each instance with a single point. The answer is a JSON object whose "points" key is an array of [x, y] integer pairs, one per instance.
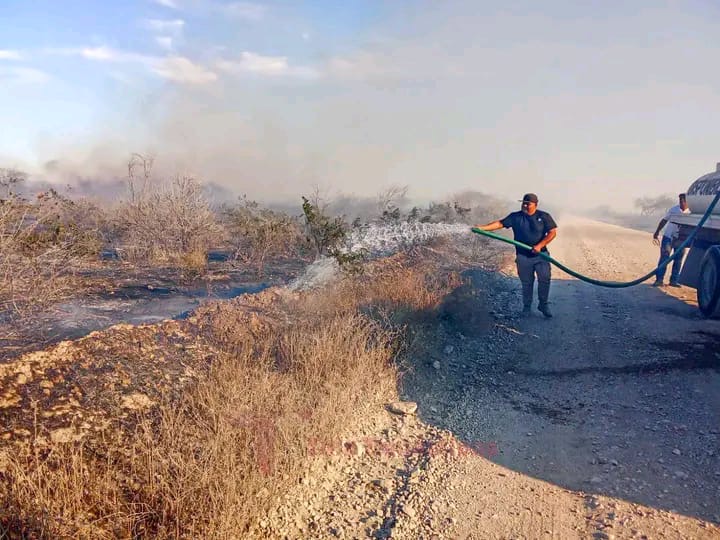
{"points": [[530, 197]]}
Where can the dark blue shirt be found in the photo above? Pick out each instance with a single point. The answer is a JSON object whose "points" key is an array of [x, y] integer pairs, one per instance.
{"points": [[528, 229]]}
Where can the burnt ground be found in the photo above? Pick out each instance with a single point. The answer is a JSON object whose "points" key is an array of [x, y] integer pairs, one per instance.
{"points": [[113, 292]]}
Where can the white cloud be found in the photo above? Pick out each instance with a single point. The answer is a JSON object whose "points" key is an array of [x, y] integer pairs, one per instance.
{"points": [[166, 42], [9, 55], [244, 10], [171, 26], [106, 54], [266, 66], [174, 68], [100, 53], [183, 70], [22, 76], [167, 3]]}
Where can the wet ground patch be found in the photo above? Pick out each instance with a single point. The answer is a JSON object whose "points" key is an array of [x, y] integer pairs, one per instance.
{"points": [[465, 311], [703, 353], [696, 353]]}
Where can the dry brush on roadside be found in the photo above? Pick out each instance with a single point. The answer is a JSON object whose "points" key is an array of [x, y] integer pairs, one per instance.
{"points": [[272, 375]]}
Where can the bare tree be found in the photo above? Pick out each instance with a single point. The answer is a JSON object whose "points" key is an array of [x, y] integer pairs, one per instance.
{"points": [[139, 170], [391, 198], [320, 198], [389, 201], [651, 205]]}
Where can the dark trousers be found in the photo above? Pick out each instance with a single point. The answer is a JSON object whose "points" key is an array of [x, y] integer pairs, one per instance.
{"points": [[669, 246], [527, 268]]}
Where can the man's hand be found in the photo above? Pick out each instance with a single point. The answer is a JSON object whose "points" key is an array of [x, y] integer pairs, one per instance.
{"points": [[659, 228], [549, 237]]}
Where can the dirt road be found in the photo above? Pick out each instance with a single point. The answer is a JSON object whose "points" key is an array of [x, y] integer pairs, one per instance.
{"points": [[618, 395], [622, 389]]}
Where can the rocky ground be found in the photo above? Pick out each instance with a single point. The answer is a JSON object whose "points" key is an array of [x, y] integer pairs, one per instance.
{"points": [[76, 389]]}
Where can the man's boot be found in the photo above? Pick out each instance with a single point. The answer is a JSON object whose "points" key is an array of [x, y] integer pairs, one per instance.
{"points": [[545, 310]]}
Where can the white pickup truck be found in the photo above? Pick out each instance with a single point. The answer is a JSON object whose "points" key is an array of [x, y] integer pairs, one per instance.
{"points": [[701, 269]]}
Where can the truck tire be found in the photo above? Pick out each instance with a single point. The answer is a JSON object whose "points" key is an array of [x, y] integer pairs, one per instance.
{"points": [[708, 291]]}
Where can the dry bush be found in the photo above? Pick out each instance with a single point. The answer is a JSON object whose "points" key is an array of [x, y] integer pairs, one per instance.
{"points": [[62, 493], [42, 242], [263, 421], [468, 207], [407, 288], [392, 290], [167, 222], [80, 227], [483, 206], [11, 181], [210, 464], [259, 234]]}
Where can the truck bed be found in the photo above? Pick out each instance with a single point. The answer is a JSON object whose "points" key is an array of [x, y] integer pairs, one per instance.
{"points": [[691, 220]]}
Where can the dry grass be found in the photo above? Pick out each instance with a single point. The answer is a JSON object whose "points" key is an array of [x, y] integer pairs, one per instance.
{"points": [[210, 463], [205, 466], [393, 290]]}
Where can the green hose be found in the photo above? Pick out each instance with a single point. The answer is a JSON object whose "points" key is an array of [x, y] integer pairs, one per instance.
{"points": [[610, 284]]}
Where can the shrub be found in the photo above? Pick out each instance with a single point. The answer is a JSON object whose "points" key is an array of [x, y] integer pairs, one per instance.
{"points": [[41, 244], [259, 234], [323, 232], [166, 222]]}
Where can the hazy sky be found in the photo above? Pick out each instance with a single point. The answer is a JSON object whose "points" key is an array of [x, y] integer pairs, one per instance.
{"points": [[584, 103]]}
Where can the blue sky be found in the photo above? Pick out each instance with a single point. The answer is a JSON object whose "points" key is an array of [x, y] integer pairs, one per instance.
{"points": [[66, 65], [580, 101]]}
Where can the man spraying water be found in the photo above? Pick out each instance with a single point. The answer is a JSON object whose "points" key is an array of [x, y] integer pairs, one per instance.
{"points": [[536, 229]]}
